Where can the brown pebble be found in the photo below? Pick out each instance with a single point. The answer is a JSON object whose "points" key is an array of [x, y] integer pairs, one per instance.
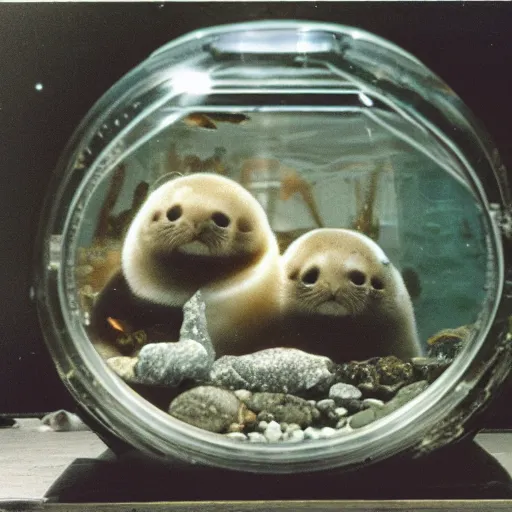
{"points": [[207, 407], [392, 371]]}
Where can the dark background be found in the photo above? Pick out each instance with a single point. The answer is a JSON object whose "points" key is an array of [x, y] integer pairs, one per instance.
{"points": [[77, 51]]}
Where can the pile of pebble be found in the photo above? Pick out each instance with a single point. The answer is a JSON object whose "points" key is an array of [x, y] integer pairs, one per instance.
{"points": [[278, 394], [266, 417]]}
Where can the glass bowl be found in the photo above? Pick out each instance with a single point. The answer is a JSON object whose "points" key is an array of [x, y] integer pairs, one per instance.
{"points": [[327, 127]]}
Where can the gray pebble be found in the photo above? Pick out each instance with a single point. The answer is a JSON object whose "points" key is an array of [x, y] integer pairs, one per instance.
{"points": [[257, 437], [363, 418], [342, 393], [326, 405], [329, 412], [124, 367], [277, 370], [207, 407], [243, 394], [354, 406], [341, 423], [282, 408], [238, 436], [403, 396], [194, 325], [407, 393], [373, 402], [167, 364], [273, 432], [265, 416]]}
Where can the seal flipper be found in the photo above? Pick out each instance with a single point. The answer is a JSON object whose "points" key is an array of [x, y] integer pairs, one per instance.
{"points": [[118, 313]]}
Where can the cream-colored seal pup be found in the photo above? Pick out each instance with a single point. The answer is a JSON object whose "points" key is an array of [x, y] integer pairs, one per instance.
{"points": [[200, 231], [344, 299]]}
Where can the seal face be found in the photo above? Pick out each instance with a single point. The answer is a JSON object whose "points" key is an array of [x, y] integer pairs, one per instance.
{"points": [[200, 231], [343, 298], [193, 232]]}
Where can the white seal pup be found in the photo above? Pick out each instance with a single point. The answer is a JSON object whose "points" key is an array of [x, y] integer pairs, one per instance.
{"points": [[200, 231], [343, 298]]}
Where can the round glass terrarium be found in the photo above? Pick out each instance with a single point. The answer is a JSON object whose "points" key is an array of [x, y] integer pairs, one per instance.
{"points": [[288, 239]]}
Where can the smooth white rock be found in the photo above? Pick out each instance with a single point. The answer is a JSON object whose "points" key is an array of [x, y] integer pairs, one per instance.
{"points": [[327, 432], [256, 437], [340, 412], [341, 423], [292, 427], [237, 436], [262, 425], [273, 432], [295, 436], [326, 404], [373, 402], [312, 433], [345, 430]]}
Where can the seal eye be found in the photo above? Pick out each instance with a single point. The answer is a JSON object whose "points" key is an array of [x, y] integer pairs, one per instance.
{"points": [[244, 225], [156, 217], [221, 219], [311, 276], [174, 213], [357, 277], [377, 284]]}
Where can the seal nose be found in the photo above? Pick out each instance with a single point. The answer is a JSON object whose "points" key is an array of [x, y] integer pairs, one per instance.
{"points": [[335, 292], [200, 225]]}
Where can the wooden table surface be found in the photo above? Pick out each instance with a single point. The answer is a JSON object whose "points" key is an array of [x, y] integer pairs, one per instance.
{"points": [[30, 460]]}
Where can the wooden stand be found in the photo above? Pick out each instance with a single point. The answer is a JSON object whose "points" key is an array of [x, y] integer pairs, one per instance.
{"points": [[461, 472]]}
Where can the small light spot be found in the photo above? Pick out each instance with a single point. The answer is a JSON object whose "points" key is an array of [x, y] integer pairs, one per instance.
{"points": [[191, 81], [38, 86], [365, 100]]}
